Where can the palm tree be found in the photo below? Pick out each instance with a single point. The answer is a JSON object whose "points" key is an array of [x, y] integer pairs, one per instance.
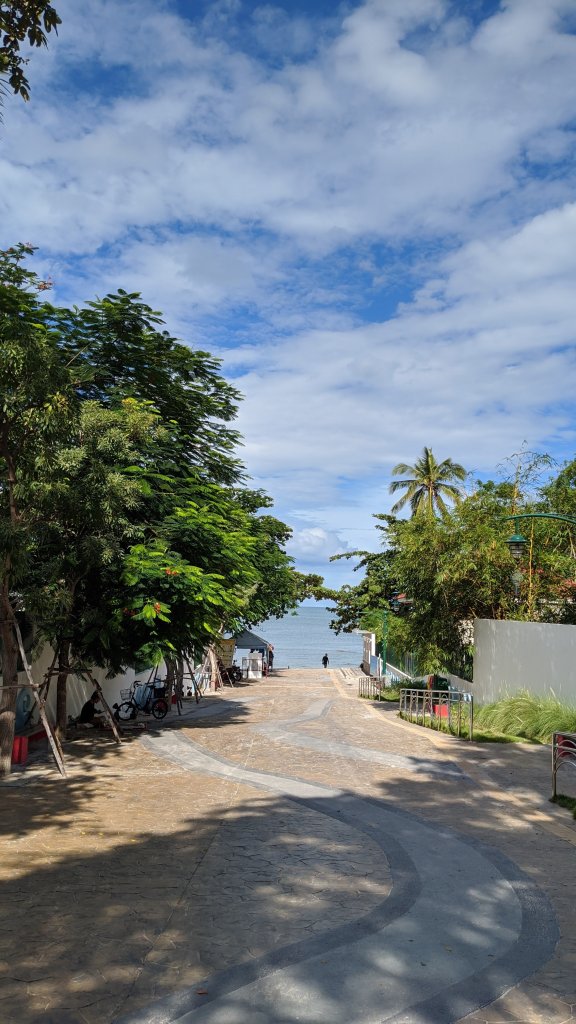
{"points": [[428, 484]]}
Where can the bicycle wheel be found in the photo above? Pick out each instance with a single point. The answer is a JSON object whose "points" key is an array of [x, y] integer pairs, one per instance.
{"points": [[125, 712], [159, 708]]}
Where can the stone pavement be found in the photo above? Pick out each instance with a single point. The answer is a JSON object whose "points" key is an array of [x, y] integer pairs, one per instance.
{"points": [[287, 853]]}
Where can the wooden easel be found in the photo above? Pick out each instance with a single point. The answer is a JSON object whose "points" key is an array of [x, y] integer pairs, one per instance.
{"points": [[52, 738], [215, 673], [43, 688]]}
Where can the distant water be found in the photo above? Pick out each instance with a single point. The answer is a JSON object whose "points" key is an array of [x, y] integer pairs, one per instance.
{"points": [[300, 640]]}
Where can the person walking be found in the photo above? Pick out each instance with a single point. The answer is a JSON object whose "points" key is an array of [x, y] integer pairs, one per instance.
{"points": [[325, 661]]}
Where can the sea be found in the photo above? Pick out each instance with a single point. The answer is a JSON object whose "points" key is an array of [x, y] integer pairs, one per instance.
{"points": [[302, 637]]}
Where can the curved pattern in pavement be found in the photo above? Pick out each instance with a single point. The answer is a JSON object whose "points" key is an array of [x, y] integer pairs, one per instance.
{"points": [[285, 729], [462, 924]]}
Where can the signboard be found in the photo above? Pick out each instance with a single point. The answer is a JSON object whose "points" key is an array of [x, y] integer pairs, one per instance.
{"points": [[225, 650]]}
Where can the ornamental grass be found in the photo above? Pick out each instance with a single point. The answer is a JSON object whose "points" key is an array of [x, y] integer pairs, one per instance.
{"points": [[527, 715]]}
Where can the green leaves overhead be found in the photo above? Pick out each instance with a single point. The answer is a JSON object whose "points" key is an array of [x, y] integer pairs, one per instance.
{"points": [[23, 21], [120, 344], [138, 538]]}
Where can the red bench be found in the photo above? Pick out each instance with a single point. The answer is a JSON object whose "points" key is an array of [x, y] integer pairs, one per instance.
{"points": [[20, 744]]}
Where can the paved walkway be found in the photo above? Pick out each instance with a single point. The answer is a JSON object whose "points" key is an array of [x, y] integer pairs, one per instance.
{"points": [[288, 854]]}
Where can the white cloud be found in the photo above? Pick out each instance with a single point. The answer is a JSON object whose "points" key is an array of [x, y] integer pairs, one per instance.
{"points": [[366, 136], [314, 544], [491, 362], [276, 183]]}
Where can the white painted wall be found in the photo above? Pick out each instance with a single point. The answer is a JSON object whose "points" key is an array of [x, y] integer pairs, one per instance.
{"points": [[535, 656], [78, 690]]}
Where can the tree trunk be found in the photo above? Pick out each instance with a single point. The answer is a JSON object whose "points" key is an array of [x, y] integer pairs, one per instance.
{"points": [[61, 691], [170, 677], [8, 642], [9, 651]]}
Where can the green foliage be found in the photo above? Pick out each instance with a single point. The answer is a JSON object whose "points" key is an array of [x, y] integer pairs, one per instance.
{"points": [[38, 402], [120, 485], [457, 567], [479, 735], [527, 715], [428, 484], [87, 511], [120, 344], [23, 21], [360, 607]]}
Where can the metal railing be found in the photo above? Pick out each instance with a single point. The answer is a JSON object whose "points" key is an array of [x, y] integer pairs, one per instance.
{"points": [[438, 709], [563, 753], [369, 687]]}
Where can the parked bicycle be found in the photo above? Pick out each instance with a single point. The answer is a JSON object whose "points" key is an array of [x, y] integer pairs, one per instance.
{"points": [[231, 675], [148, 698]]}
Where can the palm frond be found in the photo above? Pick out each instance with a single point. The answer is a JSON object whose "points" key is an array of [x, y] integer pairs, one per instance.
{"points": [[402, 469], [450, 490], [397, 484], [450, 470], [411, 490], [418, 501]]}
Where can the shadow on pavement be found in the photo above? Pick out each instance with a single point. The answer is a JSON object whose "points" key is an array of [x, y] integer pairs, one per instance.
{"points": [[89, 938], [85, 937]]}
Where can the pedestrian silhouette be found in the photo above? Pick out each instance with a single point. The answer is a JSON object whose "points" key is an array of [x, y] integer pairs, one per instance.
{"points": [[325, 661]]}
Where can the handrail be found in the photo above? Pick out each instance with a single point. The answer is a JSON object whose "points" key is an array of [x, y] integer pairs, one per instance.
{"points": [[563, 752], [397, 671], [432, 707]]}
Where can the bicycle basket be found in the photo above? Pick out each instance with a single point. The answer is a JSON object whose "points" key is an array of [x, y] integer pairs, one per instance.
{"points": [[125, 694]]}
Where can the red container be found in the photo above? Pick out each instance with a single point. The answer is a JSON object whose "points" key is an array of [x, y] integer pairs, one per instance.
{"points": [[20, 750], [441, 710]]}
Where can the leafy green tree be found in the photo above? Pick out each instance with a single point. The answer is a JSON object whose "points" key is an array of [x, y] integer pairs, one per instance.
{"points": [[37, 407], [458, 567], [280, 587], [23, 21], [428, 484], [453, 569], [126, 353], [125, 526], [360, 606], [86, 509]]}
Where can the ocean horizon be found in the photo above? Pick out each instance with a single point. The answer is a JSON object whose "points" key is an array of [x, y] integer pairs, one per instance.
{"points": [[302, 637]]}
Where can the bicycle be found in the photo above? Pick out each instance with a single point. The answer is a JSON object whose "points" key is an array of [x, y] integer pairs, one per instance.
{"points": [[150, 701]]}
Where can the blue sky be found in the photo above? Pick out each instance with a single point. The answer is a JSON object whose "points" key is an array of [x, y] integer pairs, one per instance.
{"points": [[367, 210]]}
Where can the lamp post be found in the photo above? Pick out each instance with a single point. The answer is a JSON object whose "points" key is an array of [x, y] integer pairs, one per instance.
{"points": [[517, 543]]}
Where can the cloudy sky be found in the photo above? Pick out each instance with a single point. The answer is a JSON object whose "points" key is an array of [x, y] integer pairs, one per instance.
{"points": [[367, 210]]}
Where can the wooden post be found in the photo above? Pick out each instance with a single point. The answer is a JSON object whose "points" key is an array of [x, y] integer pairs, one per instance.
{"points": [[43, 688], [94, 682], [215, 673], [56, 748]]}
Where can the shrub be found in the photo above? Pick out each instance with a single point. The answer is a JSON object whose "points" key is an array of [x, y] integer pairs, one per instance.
{"points": [[528, 715]]}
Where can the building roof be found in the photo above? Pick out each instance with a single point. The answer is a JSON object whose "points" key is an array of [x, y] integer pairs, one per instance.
{"points": [[247, 639]]}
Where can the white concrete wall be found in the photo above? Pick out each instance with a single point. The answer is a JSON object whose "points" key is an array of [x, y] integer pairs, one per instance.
{"points": [[461, 684], [535, 656], [78, 690]]}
